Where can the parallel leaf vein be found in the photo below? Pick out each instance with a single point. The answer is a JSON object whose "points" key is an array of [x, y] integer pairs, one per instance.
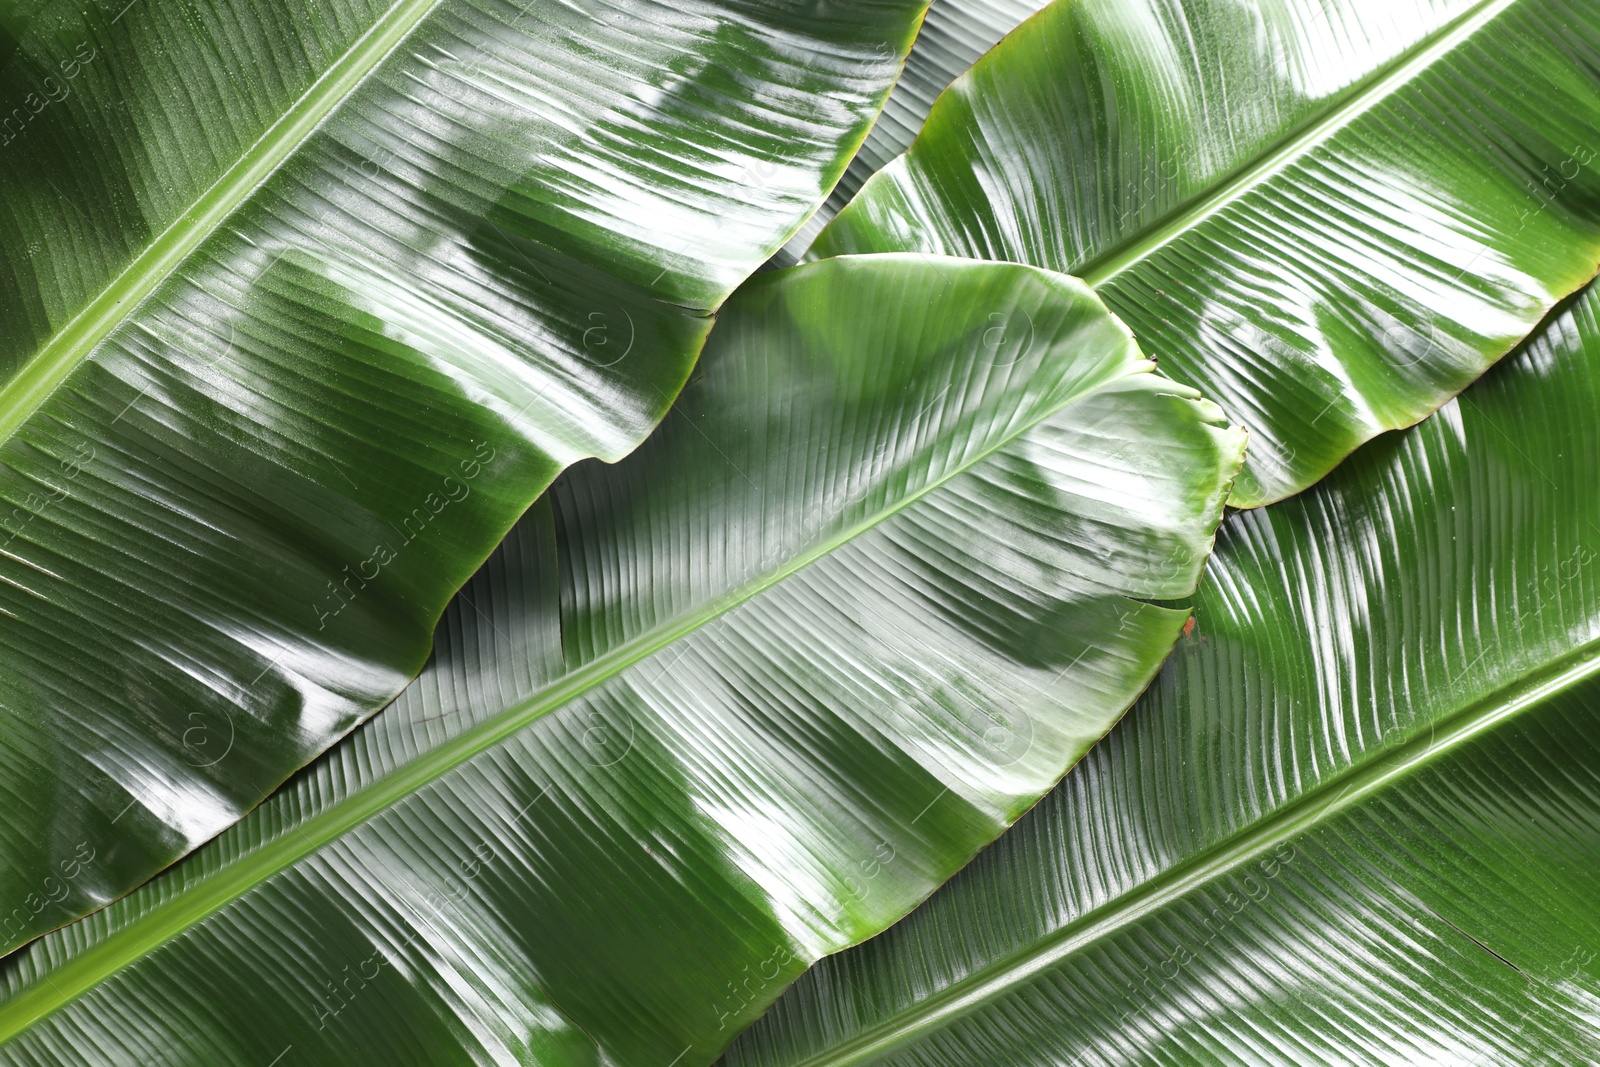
{"points": [[44, 373], [164, 921], [1331, 795], [1101, 269]]}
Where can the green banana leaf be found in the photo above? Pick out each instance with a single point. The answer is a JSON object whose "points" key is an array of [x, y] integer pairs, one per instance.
{"points": [[1327, 215], [1356, 820], [303, 304], [954, 35], [734, 703]]}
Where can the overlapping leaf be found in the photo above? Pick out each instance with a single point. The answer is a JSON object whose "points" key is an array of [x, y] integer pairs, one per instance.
{"points": [[302, 304], [1328, 215], [732, 704], [1357, 820], [955, 34]]}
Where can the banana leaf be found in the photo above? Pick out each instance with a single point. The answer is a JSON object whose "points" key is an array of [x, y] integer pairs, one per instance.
{"points": [[1329, 216], [1356, 820], [954, 35], [303, 304], [736, 702]]}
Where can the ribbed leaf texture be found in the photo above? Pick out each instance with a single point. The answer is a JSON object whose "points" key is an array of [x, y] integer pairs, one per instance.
{"points": [[1328, 215], [1357, 819], [734, 703], [303, 303], [955, 34]]}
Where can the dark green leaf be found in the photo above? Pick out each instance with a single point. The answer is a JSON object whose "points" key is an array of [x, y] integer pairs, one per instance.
{"points": [[303, 303], [1328, 215], [1356, 821], [711, 713], [955, 34]]}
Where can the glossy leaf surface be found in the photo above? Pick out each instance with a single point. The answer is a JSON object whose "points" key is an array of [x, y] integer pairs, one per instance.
{"points": [[303, 303], [954, 35], [734, 703], [1356, 820], [1328, 215]]}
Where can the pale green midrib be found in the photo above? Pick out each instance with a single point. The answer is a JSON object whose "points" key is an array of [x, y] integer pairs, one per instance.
{"points": [[972, 992], [1101, 269], [44, 373], [53, 989]]}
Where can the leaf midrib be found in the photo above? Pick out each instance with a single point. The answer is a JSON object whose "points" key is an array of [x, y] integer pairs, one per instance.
{"points": [[1098, 270], [54, 989], [22, 396], [1329, 796]]}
